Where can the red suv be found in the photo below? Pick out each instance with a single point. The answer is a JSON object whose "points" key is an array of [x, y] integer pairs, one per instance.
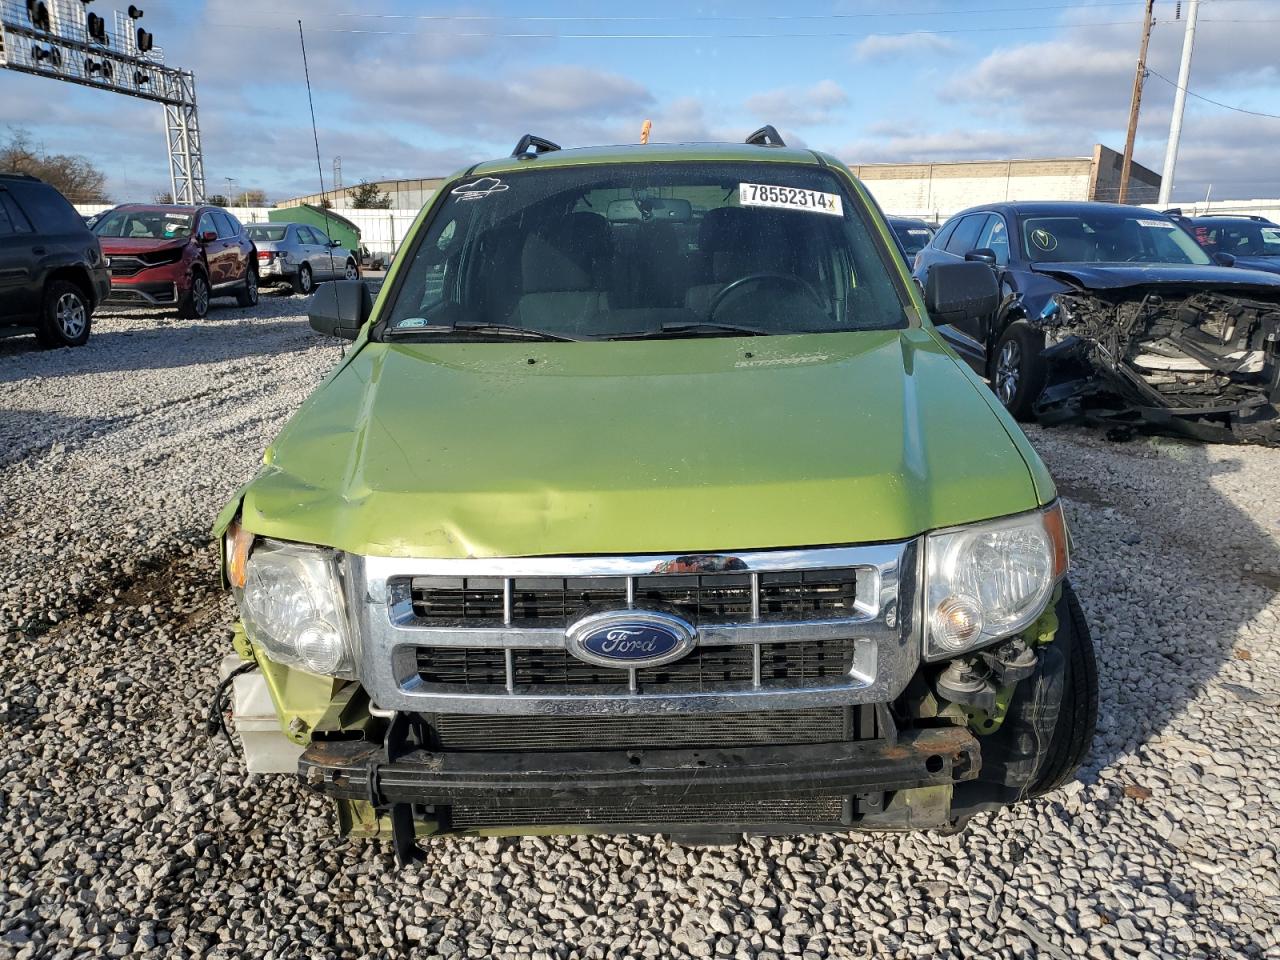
{"points": [[167, 255]]}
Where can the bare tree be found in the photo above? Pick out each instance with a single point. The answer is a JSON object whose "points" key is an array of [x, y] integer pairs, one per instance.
{"points": [[250, 198], [73, 176]]}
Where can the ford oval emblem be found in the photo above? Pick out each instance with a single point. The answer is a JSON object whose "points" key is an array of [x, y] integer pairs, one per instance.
{"points": [[631, 638]]}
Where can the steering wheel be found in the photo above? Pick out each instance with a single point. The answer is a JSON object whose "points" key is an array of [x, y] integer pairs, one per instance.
{"points": [[781, 279]]}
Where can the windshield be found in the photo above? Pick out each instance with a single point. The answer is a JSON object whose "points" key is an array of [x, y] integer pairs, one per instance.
{"points": [[267, 232], [144, 224], [913, 236], [1109, 237], [648, 249], [1243, 239]]}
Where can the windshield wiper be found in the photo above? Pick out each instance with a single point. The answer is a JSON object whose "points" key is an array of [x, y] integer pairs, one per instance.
{"points": [[700, 329], [482, 330]]}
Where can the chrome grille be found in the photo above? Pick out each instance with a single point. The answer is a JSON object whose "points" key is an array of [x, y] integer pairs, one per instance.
{"points": [[464, 732], [699, 598], [123, 266], [495, 670], [774, 630], [726, 813]]}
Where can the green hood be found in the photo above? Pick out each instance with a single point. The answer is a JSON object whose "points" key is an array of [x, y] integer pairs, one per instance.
{"points": [[516, 449]]}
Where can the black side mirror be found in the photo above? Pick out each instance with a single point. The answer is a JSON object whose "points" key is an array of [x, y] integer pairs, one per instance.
{"points": [[335, 243], [339, 308], [1224, 259], [982, 255], [961, 291]]}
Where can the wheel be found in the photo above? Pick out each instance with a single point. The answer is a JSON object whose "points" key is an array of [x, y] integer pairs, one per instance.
{"points": [[1078, 713], [65, 316], [352, 272], [195, 306], [1017, 369], [302, 282], [247, 296]]}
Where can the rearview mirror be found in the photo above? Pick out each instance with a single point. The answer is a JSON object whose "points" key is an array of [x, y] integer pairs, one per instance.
{"points": [[339, 308], [1224, 259], [960, 291], [982, 255]]}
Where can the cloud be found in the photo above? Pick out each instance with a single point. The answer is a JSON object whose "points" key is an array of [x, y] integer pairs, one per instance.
{"points": [[797, 106], [887, 47]]}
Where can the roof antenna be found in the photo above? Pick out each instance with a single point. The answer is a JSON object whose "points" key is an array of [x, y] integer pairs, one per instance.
{"points": [[324, 197]]}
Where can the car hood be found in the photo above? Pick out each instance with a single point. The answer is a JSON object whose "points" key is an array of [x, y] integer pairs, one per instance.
{"points": [[133, 245], [1114, 276], [509, 449], [1265, 264]]}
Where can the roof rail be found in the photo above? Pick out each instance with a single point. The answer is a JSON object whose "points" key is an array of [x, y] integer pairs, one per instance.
{"points": [[18, 175], [1238, 216], [766, 136], [530, 146]]}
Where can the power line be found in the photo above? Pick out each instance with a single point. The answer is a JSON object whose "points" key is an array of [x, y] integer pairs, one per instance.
{"points": [[1216, 103], [770, 35]]}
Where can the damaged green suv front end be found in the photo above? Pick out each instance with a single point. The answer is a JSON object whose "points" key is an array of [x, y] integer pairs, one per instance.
{"points": [[647, 499]]}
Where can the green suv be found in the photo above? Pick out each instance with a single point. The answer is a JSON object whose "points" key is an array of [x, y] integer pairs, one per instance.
{"points": [[648, 499]]}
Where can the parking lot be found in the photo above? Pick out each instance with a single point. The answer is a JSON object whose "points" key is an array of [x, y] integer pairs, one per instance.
{"points": [[125, 830]]}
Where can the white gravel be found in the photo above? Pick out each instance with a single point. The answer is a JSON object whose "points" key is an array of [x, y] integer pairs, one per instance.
{"points": [[124, 831]]}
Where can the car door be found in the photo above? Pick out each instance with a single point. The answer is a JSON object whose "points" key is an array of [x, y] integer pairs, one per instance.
{"points": [[214, 249], [235, 260], [993, 235], [19, 296], [955, 243], [326, 262]]}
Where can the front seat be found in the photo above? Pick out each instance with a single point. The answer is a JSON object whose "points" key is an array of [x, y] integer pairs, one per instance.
{"points": [[729, 249], [562, 271]]}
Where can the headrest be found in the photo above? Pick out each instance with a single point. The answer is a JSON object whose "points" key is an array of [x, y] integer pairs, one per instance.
{"points": [[563, 255]]}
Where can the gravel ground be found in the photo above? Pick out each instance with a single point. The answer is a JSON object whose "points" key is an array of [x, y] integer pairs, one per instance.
{"points": [[125, 831]]}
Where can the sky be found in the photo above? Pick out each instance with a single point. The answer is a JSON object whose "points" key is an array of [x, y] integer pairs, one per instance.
{"points": [[416, 89]]}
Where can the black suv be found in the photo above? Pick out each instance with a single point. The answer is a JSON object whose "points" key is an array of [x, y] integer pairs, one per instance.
{"points": [[52, 274]]}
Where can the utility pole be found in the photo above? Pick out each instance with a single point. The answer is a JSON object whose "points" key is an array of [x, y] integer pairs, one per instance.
{"points": [[1135, 102], [1179, 104]]}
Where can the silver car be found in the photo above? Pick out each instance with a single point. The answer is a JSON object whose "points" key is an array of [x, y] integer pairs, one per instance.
{"points": [[300, 255]]}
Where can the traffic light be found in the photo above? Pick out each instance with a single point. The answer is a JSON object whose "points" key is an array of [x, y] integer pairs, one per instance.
{"points": [[145, 40], [135, 13], [97, 28], [93, 68], [51, 54], [140, 79]]}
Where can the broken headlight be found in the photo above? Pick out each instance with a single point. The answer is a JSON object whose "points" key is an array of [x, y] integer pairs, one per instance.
{"points": [[986, 581], [292, 606]]}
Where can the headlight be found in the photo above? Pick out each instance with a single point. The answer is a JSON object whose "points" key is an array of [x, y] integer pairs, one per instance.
{"points": [[990, 580], [292, 607]]}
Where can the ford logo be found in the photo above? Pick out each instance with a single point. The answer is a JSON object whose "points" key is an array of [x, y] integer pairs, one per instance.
{"points": [[629, 639]]}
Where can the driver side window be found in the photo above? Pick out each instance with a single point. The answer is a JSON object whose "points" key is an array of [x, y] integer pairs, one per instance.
{"points": [[995, 237]]}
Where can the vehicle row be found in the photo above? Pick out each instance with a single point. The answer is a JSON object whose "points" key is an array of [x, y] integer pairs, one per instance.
{"points": [[57, 268]]}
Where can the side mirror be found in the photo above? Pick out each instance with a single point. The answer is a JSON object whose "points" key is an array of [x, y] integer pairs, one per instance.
{"points": [[335, 243], [982, 255], [339, 308], [1224, 259], [961, 291], [209, 236]]}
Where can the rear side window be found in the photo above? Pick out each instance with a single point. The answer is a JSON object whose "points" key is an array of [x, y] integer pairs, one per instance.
{"points": [[12, 220], [965, 237], [995, 237], [46, 208], [944, 235]]}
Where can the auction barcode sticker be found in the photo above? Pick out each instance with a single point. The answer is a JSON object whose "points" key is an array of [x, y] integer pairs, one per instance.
{"points": [[789, 198]]}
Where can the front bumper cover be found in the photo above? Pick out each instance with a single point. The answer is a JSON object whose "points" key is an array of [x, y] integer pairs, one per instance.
{"points": [[360, 771]]}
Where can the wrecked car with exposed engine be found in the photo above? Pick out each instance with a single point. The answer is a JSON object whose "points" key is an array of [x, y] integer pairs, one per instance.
{"points": [[648, 499], [1116, 315]]}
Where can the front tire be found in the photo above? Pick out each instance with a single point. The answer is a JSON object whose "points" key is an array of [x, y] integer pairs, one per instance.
{"points": [[1078, 713], [65, 316], [1018, 369], [195, 306], [247, 296], [302, 282]]}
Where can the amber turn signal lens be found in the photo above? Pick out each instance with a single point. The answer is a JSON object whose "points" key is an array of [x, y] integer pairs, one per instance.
{"points": [[238, 543], [1055, 525]]}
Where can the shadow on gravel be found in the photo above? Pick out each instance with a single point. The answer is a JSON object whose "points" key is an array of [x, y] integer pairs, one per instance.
{"points": [[1178, 579], [189, 342]]}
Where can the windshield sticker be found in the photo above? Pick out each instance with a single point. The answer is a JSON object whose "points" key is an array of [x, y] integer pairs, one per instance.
{"points": [[1161, 224], [789, 198], [1043, 239], [918, 233], [479, 189], [412, 322]]}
